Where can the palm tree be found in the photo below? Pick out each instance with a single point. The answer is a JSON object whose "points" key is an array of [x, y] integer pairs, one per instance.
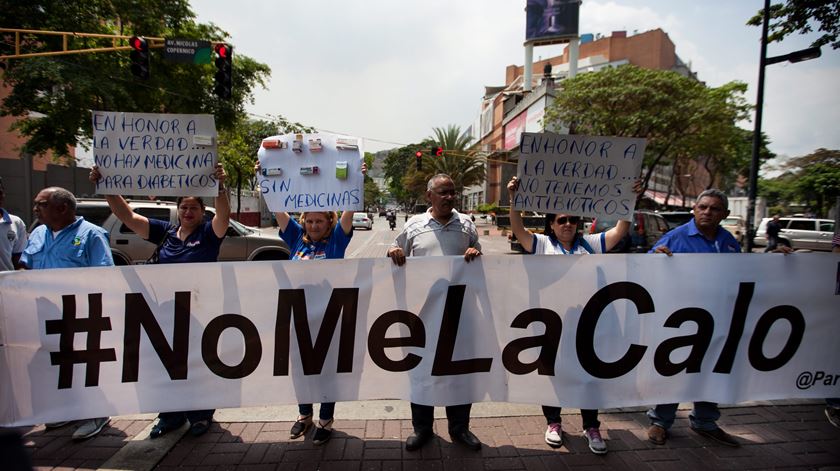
{"points": [[457, 161]]}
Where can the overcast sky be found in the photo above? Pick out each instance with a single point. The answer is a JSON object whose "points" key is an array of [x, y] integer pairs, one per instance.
{"points": [[389, 70]]}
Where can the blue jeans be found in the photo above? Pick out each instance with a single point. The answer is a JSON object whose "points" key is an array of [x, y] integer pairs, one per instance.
{"points": [[325, 414], [703, 417]]}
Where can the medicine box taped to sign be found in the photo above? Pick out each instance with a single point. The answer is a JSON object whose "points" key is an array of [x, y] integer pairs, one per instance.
{"points": [[580, 175], [311, 172], [155, 154]]}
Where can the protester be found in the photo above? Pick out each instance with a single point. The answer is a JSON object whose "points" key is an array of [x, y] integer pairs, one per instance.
{"points": [[192, 240], [772, 232], [702, 234], [439, 231], [832, 405], [319, 235], [64, 240], [12, 235], [562, 237]]}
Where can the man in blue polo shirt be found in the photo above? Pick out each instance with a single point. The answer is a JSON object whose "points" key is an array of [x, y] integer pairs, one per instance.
{"points": [[64, 240], [702, 234], [12, 236]]}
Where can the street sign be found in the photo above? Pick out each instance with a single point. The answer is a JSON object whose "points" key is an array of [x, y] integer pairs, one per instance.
{"points": [[190, 51]]}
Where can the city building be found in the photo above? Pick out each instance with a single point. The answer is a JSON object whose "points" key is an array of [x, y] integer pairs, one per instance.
{"points": [[509, 110]]}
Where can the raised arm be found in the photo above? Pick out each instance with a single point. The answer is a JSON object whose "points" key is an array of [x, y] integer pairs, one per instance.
{"points": [[524, 236], [346, 220], [221, 220], [613, 236], [119, 206]]}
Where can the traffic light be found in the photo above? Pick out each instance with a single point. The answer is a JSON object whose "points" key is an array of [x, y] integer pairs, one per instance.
{"points": [[436, 151], [224, 71], [418, 158], [139, 57]]}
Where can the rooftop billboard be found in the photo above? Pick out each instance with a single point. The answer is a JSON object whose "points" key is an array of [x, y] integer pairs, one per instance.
{"points": [[551, 21]]}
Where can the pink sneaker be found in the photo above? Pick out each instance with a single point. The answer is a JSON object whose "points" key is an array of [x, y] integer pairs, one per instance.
{"points": [[596, 443], [554, 435]]}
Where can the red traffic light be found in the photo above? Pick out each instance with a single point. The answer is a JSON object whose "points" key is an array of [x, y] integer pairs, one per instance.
{"points": [[438, 151], [418, 154], [138, 43], [222, 51]]}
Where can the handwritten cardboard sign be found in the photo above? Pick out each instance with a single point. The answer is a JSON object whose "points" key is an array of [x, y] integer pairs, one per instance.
{"points": [[579, 175], [155, 154], [311, 172]]}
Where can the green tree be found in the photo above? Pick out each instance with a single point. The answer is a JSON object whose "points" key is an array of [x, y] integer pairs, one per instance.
{"points": [[401, 174], [61, 90], [812, 179], [451, 138], [800, 16], [457, 161], [679, 117], [372, 193]]}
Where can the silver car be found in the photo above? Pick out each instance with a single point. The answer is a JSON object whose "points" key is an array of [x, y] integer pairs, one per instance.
{"points": [[799, 233], [242, 242]]}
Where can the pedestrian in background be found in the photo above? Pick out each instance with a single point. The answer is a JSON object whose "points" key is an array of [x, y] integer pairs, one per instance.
{"points": [[702, 234], [319, 235], [64, 240], [562, 237], [192, 240], [772, 232], [441, 230], [13, 235]]}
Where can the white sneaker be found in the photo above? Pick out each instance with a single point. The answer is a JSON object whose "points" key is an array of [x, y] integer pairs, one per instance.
{"points": [[89, 428], [596, 443], [554, 435]]}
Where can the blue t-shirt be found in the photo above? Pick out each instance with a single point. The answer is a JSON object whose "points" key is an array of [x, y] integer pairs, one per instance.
{"points": [[201, 246], [333, 247], [687, 239], [81, 244]]}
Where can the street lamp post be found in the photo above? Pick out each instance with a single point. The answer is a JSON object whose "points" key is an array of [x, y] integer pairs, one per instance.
{"points": [[798, 56]]}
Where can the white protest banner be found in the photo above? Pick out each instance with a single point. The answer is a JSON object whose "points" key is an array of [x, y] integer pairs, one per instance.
{"points": [[311, 172], [581, 175], [155, 154], [590, 332]]}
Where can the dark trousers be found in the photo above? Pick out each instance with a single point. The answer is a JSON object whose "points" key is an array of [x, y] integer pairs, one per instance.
{"points": [[423, 417], [589, 416], [193, 416]]}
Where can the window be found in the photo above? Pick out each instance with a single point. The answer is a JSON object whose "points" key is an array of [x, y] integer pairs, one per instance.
{"points": [[827, 226], [161, 214], [802, 225], [94, 214]]}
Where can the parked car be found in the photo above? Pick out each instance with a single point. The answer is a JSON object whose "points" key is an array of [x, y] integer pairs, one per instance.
{"points": [[676, 218], [242, 242], [799, 233], [646, 230], [362, 221], [737, 226]]}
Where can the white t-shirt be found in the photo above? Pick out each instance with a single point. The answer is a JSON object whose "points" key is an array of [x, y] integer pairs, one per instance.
{"points": [[543, 245], [12, 238]]}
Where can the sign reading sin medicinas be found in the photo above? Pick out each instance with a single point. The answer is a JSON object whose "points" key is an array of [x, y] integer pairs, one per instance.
{"points": [[580, 175], [155, 154]]}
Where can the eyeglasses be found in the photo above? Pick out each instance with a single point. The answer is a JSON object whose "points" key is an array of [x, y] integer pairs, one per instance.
{"points": [[570, 219], [445, 192]]}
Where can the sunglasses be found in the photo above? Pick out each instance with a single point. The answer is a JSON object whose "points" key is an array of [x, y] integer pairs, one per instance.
{"points": [[570, 219]]}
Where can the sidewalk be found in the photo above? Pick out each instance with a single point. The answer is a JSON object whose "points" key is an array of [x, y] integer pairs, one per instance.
{"points": [[778, 434]]}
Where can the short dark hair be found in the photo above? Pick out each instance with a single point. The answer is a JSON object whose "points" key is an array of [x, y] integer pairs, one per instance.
{"points": [[715, 193]]}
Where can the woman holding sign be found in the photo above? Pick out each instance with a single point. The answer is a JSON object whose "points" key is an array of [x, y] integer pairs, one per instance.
{"points": [[561, 237], [318, 235], [192, 240]]}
